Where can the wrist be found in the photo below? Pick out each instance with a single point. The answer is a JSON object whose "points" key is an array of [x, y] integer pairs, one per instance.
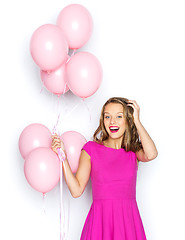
{"points": [[61, 154], [137, 122]]}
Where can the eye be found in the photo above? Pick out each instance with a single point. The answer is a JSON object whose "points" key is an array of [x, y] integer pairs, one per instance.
{"points": [[106, 116], [119, 116]]}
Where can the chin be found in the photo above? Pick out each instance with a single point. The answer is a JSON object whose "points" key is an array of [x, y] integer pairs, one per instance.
{"points": [[115, 136]]}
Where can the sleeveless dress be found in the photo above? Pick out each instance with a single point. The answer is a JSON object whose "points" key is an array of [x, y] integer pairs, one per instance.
{"points": [[114, 213]]}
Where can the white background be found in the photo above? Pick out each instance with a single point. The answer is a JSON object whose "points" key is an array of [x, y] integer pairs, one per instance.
{"points": [[141, 46]]}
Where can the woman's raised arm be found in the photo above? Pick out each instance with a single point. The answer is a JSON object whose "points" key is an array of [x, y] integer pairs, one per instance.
{"points": [[149, 151]]}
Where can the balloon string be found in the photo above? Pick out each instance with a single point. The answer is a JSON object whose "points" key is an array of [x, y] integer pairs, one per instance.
{"points": [[43, 207], [58, 117], [68, 114], [72, 54], [87, 108], [73, 109], [61, 201], [58, 109], [55, 126], [74, 50], [61, 205], [42, 88], [65, 86], [68, 213], [63, 233]]}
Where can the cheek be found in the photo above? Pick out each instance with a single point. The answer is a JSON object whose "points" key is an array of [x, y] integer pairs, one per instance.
{"points": [[123, 124], [106, 120], [106, 123]]}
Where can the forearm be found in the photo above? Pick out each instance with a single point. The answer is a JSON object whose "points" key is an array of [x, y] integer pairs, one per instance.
{"points": [[149, 147], [71, 180], [76, 184]]}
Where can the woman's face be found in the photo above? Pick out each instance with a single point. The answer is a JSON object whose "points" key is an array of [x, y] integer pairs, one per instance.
{"points": [[114, 120]]}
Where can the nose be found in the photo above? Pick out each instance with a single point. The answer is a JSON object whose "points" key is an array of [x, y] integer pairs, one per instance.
{"points": [[112, 120]]}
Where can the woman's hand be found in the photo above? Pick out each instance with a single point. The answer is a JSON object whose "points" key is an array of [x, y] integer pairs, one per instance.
{"points": [[135, 106], [57, 143]]}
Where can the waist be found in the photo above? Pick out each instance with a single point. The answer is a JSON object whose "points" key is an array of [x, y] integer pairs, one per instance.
{"points": [[114, 190]]}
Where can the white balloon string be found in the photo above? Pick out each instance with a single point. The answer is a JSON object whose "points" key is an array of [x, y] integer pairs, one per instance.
{"points": [[61, 205], [72, 54], [63, 95], [68, 114], [68, 213], [55, 128], [87, 108], [41, 89], [64, 88], [63, 232], [61, 200], [42, 86], [73, 109], [43, 207]]}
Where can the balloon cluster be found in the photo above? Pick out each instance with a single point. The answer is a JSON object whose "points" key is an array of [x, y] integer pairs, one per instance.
{"points": [[49, 47], [80, 72], [42, 166]]}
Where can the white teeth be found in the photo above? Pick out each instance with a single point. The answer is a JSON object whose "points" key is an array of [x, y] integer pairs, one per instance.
{"points": [[114, 128]]}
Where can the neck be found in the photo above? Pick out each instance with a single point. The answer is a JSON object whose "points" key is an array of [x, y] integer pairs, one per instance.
{"points": [[113, 143]]}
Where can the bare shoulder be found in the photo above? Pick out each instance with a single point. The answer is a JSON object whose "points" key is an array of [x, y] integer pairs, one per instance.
{"points": [[84, 154]]}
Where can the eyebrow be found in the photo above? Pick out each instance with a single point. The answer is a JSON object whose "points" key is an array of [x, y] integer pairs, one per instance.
{"points": [[117, 112]]}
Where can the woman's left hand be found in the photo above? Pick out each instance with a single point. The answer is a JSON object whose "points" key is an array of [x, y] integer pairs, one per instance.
{"points": [[135, 106]]}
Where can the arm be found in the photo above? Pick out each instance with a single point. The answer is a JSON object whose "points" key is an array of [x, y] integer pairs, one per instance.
{"points": [[149, 151], [76, 184]]}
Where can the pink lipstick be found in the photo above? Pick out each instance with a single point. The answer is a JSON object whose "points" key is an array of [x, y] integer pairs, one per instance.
{"points": [[114, 129]]}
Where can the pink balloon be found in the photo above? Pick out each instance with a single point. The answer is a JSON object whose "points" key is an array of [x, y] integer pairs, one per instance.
{"points": [[55, 81], [73, 142], [76, 22], [42, 169], [49, 47], [34, 136], [84, 74]]}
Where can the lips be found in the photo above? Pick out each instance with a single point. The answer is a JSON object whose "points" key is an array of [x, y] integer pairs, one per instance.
{"points": [[114, 129]]}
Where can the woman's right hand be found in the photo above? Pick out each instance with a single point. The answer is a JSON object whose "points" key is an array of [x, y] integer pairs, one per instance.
{"points": [[57, 143]]}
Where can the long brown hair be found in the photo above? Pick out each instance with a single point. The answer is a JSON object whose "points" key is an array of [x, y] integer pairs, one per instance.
{"points": [[131, 141]]}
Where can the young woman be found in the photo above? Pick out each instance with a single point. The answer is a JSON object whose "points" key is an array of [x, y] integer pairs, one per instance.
{"points": [[111, 160]]}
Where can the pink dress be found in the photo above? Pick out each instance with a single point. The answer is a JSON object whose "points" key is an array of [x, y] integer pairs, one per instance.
{"points": [[114, 213]]}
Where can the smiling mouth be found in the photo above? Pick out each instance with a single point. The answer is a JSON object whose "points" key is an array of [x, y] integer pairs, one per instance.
{"points": [[114, 129]]}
